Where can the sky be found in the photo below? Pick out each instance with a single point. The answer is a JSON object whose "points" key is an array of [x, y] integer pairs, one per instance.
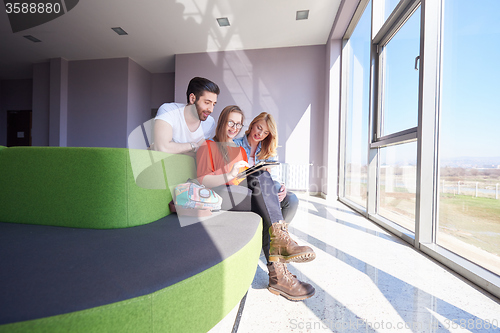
{"points": [[470, 119], [469, 111]]}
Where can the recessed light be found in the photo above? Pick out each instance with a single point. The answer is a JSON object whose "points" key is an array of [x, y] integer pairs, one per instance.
{"points": [[302, 15], [223, 22], [33, 39], [120, 31]]}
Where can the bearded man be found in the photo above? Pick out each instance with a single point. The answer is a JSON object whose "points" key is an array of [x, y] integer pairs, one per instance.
{"points": [[182, 128]]}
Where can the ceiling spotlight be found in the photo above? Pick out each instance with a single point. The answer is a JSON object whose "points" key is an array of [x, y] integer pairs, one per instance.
{"points": [[223, 22], [33, 39], [120, 31], [302, 15]]}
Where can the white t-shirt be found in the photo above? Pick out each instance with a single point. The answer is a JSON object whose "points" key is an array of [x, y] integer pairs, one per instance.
{"points": [[173, 113]]}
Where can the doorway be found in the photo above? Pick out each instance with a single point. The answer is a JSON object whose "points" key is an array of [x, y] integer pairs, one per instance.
{"points": [[19, 128]]}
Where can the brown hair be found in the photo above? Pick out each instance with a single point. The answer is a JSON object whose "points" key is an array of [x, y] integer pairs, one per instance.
{"points": [[270, 143], [221, 129]]}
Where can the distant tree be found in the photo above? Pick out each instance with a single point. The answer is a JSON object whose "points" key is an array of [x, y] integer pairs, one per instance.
{"points": [[486, 172], [472, 172]]}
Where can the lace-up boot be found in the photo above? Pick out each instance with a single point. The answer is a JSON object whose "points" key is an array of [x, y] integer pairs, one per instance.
{"points": [[284, 249], [282, 282]]}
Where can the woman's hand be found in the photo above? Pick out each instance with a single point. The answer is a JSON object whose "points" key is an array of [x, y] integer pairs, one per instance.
{"points": [[236, 168], [282, 193]]}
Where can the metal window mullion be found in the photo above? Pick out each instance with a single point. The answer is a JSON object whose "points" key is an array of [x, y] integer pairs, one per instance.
{"points": [[435, 225], [371, 198], [396, 138], [379, 112], [427, 120], [358, 13], [343, 114]]}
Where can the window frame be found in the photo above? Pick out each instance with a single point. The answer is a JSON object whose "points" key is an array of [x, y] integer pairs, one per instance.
{"points": [[344, 105], [403, 11], [385, 32], [426, 133]]}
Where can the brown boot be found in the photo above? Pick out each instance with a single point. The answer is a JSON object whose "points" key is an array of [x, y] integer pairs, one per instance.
{"points": [[285, 249], [282, 282]]}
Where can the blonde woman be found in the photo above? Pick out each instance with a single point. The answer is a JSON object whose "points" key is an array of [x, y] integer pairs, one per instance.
{"points": [[218, 165], [260, 142]]}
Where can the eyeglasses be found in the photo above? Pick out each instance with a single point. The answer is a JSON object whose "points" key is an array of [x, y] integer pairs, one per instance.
{"points": [[232, 124]]}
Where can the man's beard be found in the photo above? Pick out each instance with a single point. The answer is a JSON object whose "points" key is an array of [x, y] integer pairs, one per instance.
{"points": [[200, 113]]}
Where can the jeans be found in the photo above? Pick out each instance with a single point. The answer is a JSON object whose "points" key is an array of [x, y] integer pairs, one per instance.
{"points": [[288, 205], [235, 198], [260, 194]]}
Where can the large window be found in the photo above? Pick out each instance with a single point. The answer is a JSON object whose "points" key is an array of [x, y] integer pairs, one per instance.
{"points": [[396, 118], [429, 168], [397, 176], [469, 198], [357, 50], [400, 79]]}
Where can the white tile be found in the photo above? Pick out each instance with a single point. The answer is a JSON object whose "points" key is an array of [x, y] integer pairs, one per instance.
{"points": [[366, 280]]}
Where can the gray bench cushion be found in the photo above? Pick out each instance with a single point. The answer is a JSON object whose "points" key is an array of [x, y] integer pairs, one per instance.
{"points": [[47, 271]]}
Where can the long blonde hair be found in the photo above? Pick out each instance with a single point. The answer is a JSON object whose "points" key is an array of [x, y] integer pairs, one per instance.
{"points": [[221, 129], [270, 143]]}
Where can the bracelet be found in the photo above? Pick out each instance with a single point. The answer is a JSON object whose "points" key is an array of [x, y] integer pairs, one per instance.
{"points": [[193, 147]]}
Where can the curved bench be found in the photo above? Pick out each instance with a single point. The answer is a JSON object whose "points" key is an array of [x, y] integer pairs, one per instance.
{"points": [[155, 276]]}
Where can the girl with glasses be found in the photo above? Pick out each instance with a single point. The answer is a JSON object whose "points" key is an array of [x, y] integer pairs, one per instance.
{"points": [[218, 165]]}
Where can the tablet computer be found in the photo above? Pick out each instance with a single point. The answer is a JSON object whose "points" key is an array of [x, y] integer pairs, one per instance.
{"points": [[257, 167]]}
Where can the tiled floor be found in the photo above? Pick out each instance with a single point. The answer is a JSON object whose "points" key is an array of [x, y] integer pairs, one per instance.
{"points": [[366, 280]]}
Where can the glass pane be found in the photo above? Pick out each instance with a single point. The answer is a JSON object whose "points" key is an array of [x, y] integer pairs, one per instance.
{"points": [[397, 184], [400, 91], [389, 6], [356, 168], [469, 183]]}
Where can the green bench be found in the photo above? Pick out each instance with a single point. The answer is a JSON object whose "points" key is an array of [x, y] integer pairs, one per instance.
{"points": [[87, 243]]}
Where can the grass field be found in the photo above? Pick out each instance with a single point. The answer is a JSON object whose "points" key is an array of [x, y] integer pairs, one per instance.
{"points": [[467, 225], [473, 220]]}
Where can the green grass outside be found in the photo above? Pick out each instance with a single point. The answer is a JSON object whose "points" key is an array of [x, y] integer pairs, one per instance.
{"points": [[473, 220]]}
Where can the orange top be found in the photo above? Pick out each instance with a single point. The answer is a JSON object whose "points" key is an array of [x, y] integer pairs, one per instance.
{"points": [[210, 161]]}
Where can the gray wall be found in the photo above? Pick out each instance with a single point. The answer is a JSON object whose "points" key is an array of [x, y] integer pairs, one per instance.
{"points": [[106, 99], [58, 103], [3, 118], [97, 103], [289, 83], [162, 89], [139, 96], [41, 104]]}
